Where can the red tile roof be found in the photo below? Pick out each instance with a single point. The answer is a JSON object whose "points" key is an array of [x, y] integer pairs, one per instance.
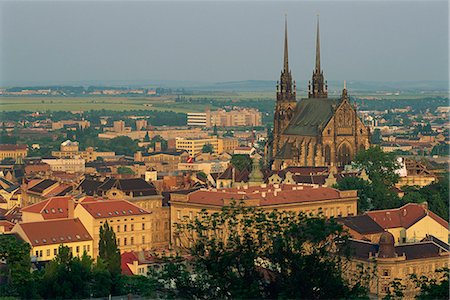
{"points": [[112, 208], [12, 147], [7, 225], [53, 208], [125, 259], [405, 216], [269, 195], [55, 232]]}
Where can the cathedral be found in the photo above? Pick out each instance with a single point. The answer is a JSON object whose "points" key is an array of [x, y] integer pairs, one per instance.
{"points": [[317, 130]]}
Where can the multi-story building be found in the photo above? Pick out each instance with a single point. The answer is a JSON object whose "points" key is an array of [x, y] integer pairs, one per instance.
{"points": [[141, 124], [202, 119], [45, 237], [236, 117], [69, 165], [134, 227], [119, 126], [207, 167], [310, 200], [162, 161], [195, 146], [385, 262], [13, 151], [411, 223], [71, 149], [222, 118], [61, 124]]}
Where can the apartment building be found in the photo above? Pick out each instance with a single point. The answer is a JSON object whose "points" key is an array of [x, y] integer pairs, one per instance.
{"points": [[194, 146], [13, 151], [222, 118], [45, 237]]}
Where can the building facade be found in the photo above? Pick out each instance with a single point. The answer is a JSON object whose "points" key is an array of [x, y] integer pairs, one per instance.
{"points": [[310, 200], [13, 151]]}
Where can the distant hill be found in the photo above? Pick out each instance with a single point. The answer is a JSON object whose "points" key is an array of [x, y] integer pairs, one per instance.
{"points": [[334, 86]]}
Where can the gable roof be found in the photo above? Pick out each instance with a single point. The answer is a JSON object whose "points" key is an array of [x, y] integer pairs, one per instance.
{"points": [[310, 114], [138, 186], [405, 216], [43, 185], [55, 232], [53, 208], [89, 186], [362, 224], [112, 208]]}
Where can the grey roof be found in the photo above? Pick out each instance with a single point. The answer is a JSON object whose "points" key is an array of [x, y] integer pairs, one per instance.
{"points": [[311, 115], [362, 224]]}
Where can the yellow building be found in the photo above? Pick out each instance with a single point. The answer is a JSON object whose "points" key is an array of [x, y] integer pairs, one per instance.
{"points": [[69, 149], [162, 161], [134, 227], [195, 146], [310, 200], [411, 223], [45, 237], [49, 209], [386, 262], [13, 151]]}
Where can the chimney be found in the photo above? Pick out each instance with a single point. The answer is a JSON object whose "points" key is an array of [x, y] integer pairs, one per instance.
{"points": [[424, 205], [70, 208]]}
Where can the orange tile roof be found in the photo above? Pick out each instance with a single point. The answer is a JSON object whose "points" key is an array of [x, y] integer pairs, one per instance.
{"points": [[284, 194], [53, 208], [55, 232], [405, 216], [112, 208]]}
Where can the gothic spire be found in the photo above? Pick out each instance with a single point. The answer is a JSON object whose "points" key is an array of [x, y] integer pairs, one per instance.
{"points": [[286, 60], [317, 48], [318, 87], [286, 86]]}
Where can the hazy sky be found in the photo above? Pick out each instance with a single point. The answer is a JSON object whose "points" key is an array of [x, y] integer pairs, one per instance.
{"points": [[58, 42]]}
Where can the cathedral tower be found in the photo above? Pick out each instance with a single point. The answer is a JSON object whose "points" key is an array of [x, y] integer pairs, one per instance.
{"points": [[286, 94], [318, 88]]}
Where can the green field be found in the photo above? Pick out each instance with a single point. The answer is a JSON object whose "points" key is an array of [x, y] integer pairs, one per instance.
{"points": [[93, 103], [161, 103], [86, 103]]}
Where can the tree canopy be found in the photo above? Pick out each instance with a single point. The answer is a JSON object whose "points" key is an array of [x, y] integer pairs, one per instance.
{"points": [[245, 252], [208, 148], [242, 162]]}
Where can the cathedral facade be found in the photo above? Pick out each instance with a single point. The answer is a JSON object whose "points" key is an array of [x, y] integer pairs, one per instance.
{"points": [[317, 130]]}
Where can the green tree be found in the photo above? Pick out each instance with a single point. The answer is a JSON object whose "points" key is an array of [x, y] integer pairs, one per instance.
{"points": [[241, 162], [364, 188], [125, 170], [396, 290], [147, 137], [108, 250], [432, 288], [379, 165], [376, 137], [245, 252], [66, 276], [16, 254], [208, 148]]}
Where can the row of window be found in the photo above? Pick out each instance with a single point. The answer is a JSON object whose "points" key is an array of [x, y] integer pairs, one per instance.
{"points": [[128, 242], [131, 227], [40, 253]]}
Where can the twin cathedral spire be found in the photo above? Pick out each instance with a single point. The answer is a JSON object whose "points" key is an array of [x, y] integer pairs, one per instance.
{"points": [[286, 87]]}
